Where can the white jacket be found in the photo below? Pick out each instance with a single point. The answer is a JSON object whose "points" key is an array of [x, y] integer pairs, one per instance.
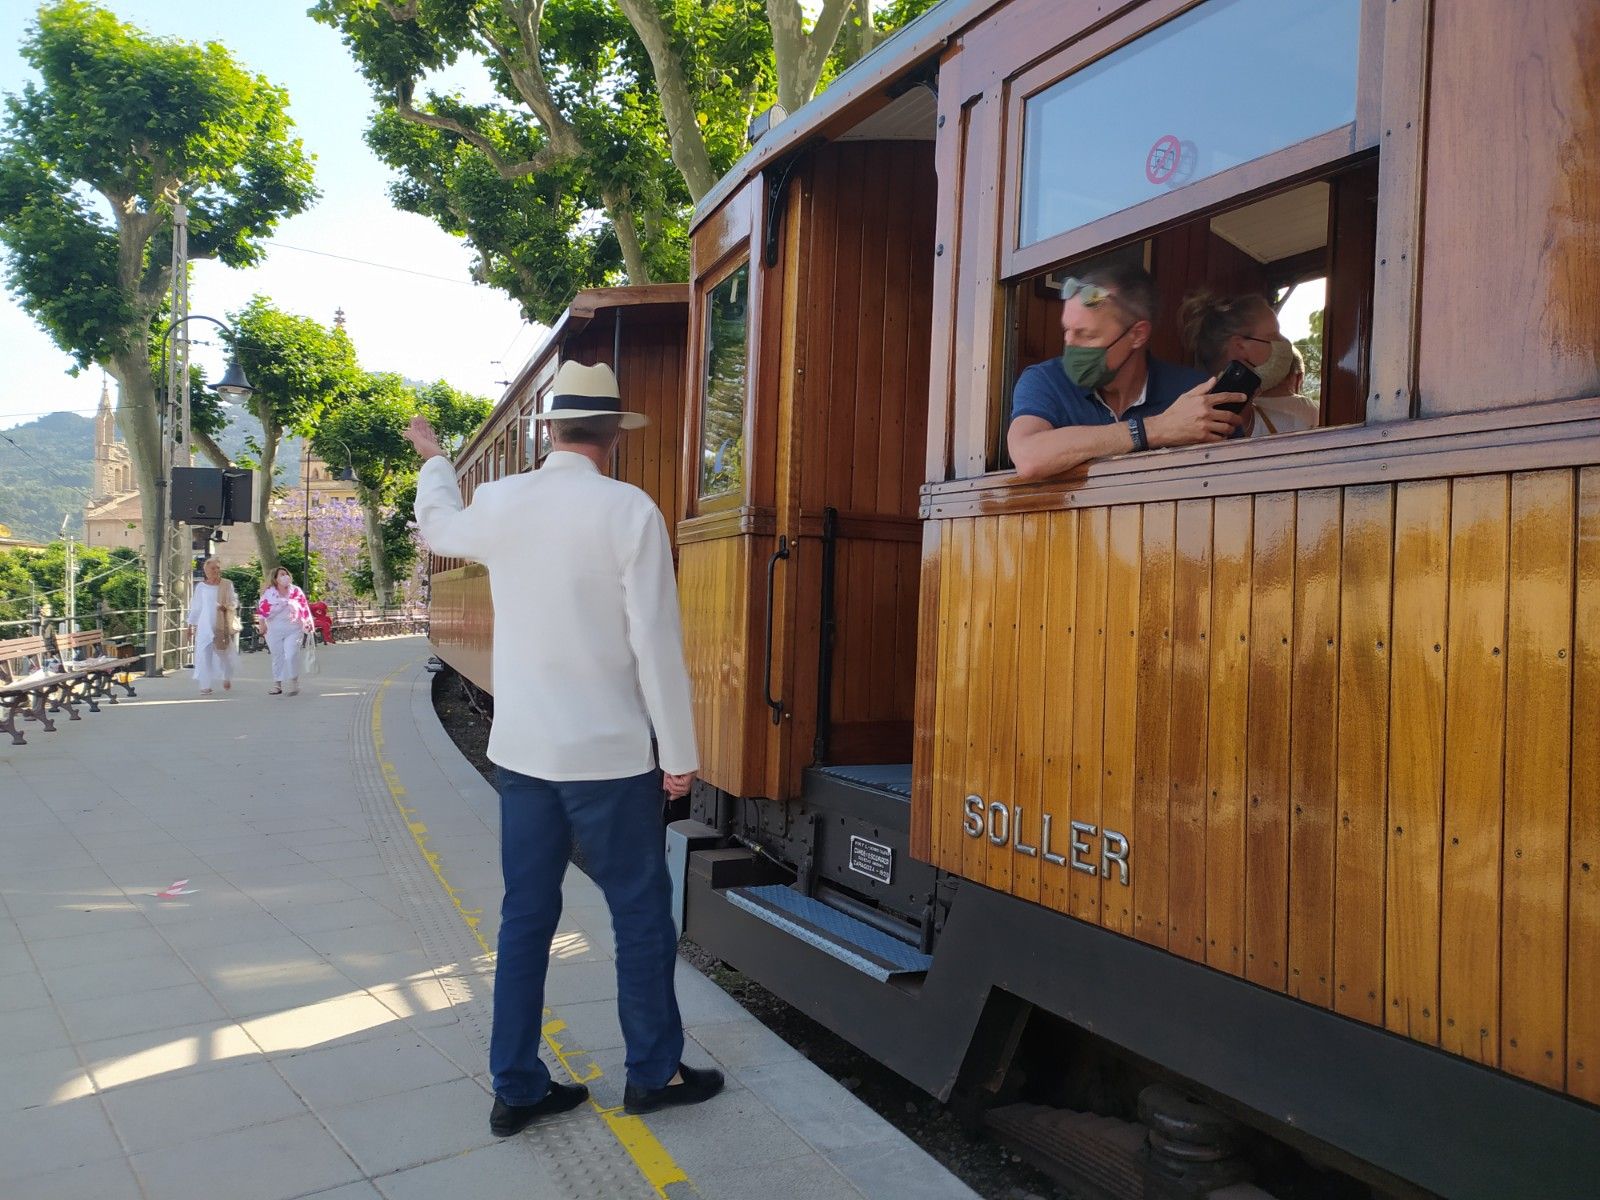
{"points": [[588, 645]]}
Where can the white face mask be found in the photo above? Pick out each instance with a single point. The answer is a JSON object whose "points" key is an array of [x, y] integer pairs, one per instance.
{"points": [[1277, 365], [283, 582]]}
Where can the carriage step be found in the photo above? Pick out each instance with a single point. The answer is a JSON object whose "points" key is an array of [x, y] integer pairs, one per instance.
{"points": [[868, 950]]}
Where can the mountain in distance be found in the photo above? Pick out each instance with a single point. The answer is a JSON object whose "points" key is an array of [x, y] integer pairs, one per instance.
{"points": [[47, 469]]}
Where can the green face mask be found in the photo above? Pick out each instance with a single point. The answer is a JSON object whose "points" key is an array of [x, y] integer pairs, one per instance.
{"points": [[1086, 366]]}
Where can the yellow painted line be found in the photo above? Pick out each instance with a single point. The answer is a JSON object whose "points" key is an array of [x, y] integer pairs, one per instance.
{"points": [[657, 1166]]}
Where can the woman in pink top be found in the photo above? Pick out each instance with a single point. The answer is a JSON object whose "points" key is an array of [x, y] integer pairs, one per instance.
{"points": [[285, 620]]}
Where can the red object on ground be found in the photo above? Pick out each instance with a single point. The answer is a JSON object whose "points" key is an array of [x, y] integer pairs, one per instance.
{"points": [[321, 619]]}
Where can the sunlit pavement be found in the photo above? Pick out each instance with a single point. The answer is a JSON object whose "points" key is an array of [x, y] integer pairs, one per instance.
{"points": [[244, 956]]}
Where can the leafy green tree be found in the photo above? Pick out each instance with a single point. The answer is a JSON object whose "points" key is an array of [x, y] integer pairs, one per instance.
{"points": [[109, 580], [297, 367], [119, 127], [611, 119], [365, 427], [1310, 348]]}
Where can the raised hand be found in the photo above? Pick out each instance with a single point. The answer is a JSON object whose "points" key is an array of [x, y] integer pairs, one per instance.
{"points": [[422, 438]]}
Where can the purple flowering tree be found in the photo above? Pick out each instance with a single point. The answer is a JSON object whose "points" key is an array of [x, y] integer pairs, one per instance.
{"points": [[338, 540]]}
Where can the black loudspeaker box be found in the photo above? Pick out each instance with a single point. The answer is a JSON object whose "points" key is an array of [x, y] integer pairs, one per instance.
{"points": [[237, 487], [197, 495]]}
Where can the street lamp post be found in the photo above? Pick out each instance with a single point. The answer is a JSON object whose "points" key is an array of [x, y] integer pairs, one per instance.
{"points": [[233, 385], [305, 532]]}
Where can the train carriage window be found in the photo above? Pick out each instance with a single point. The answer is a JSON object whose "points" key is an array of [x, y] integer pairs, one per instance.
{"points": [[1225, 83], [726, 361], [539, 431], [1308, 250]]}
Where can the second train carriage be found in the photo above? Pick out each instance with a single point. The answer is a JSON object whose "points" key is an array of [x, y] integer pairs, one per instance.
{"points": [[637, 331], [1275, 765]]}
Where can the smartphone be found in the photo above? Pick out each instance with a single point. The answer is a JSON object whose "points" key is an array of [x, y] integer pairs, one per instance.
{"points": [[1237, 377]]}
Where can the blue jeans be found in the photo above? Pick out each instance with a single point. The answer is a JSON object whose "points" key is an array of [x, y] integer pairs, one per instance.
{"points": [[617, 823]]}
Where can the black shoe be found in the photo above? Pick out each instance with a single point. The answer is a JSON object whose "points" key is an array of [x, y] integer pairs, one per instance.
{"points": [[697, 1085], [507, 1119]]}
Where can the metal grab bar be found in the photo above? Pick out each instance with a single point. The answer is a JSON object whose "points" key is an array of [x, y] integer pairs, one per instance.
{"points": [[772, 570]]}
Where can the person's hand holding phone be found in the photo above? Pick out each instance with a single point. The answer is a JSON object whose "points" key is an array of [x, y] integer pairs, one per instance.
{"points": [[1199, 415]]}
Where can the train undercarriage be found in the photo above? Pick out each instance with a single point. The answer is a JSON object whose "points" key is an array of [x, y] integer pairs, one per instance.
{"points": [[991, 1004]]}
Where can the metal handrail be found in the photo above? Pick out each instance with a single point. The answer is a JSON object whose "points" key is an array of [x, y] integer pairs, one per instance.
{"points": [[772, 570]]}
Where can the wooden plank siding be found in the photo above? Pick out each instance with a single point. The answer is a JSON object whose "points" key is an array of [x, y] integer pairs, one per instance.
{"points": [[1352, 736], [717, 579], [1271, 659], [1059, 702], [1474, 755], [1088, 720], [1191, 675], [1538, 762], [1416, 758], [1313, 743]]}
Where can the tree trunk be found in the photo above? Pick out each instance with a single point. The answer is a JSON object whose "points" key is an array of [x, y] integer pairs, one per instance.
{"points": [[678, 107], [628, 237], [382, 585], [266, 542], [136, 417], [800, 55], [209, 449]]}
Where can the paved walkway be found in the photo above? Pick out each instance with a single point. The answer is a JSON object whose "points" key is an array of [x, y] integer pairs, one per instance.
{"points": [[311, 1015]]}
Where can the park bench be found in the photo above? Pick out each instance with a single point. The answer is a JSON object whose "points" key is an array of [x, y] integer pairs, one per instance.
{"points": [[30, 688], [35, 682], [96, 667]]}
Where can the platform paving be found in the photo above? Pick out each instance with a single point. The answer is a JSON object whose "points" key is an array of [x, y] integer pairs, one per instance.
{"points": [[311, 1018]]}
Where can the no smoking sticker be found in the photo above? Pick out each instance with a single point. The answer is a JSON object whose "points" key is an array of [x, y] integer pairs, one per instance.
{"points": [[1164, 159]]}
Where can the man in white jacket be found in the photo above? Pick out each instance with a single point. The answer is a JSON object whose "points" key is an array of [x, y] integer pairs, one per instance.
{"points": [[588, 663]]}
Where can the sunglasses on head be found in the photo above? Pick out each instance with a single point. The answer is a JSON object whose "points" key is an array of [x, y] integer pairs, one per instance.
{"points": [[1090, 295]]}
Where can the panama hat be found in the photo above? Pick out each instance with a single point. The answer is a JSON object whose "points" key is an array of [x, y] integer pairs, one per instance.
{"points": [[580, 391]]}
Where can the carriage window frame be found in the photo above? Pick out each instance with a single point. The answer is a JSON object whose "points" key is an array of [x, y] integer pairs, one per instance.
{"points": [[1313, 156], [734, 497]]}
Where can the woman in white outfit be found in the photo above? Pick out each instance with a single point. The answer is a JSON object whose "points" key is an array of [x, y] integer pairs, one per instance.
{"points": [[285, 618], [213, 622]]}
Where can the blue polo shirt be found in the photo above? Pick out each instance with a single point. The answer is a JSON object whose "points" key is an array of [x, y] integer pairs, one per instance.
{"points": [[1043, 390]]}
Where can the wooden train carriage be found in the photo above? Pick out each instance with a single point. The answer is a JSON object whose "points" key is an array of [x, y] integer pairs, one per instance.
{"points": [[1275, 764], [639, 333]]}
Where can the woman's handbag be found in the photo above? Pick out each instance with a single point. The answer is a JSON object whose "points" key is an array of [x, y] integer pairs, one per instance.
{"points": [[227, 624], [308, 655]]}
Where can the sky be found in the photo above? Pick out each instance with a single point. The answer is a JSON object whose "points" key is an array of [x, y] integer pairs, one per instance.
{"points": [[426, 320], [409, 302]]}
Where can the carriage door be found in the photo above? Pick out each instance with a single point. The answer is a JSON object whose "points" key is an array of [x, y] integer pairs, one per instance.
{"points": [[857, 254]]}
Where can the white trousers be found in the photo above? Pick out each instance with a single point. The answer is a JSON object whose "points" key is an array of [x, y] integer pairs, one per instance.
{"points": [[285, 646], [212, 666]]}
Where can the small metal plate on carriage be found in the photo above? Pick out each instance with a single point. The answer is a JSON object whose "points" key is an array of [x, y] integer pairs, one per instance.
{"points": [[872, 859]]}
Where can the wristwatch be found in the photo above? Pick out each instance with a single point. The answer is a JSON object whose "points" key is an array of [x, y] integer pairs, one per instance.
{"points": [[1136, 431]]}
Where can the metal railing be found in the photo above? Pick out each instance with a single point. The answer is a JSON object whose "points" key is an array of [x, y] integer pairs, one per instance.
{"points": [[353, 621]]}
